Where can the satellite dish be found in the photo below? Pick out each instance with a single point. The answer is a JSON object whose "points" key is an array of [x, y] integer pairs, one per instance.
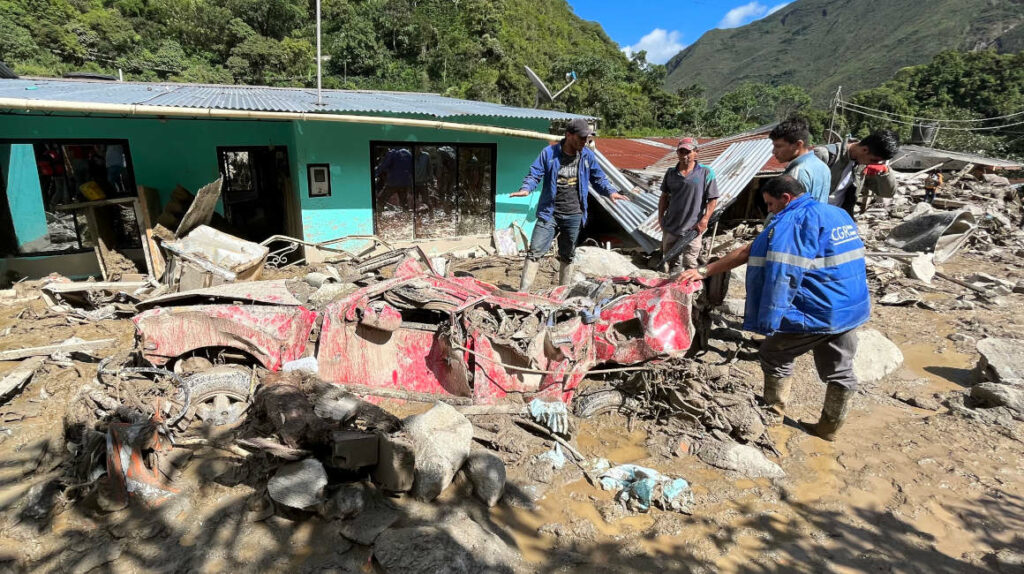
{"points": [[542, 89]]}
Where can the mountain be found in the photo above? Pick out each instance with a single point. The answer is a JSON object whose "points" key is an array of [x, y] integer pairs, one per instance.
{"points": [[856, 44]]}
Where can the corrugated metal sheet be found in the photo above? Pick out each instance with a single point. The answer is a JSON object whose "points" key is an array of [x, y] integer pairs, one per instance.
{"points": [[629, 153], [914, 157], [734, 168], [709, 151], [258, 98]]}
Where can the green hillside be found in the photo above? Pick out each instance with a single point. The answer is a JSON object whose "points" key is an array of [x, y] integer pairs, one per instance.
{"points": [[463, 48], [822, 44]]}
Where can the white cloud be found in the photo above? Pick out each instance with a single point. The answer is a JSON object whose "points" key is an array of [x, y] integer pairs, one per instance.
{"points": [[747, 13], [660, 45]]}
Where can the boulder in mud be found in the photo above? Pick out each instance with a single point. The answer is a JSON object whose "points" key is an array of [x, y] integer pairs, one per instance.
{"points": [[745, 459], [997, 395], [441, 438], [599, 262], [876, 357], [1002, 361], [486, 472], [299, 484], [456, 545]]}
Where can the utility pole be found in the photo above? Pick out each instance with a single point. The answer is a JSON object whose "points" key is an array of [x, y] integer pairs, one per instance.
{"points": [[835, 108], [319, 61]]}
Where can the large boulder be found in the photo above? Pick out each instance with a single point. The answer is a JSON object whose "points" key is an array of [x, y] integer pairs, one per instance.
{"points": [[876, 356], [441, 439], [997, 395], [457, 545], [1002, 361]]}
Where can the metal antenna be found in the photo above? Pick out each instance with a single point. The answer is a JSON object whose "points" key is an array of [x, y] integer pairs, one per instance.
{"points": [[319, 60], [542, 89]]}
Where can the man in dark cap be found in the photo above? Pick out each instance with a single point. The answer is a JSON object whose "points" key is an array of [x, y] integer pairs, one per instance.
{"points": [[567, 169], [689, 194]]}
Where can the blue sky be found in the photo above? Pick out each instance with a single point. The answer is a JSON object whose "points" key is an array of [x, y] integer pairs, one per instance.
{"points": [[664, 28]]}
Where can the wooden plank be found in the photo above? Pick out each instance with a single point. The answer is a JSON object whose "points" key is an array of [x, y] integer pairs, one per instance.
{"points": [[15, 379], [48, 350], [81, 286], [94, 236], [201, 210], [93, 204], [149, 204]]}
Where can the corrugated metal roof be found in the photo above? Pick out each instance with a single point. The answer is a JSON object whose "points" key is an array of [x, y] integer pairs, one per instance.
{"points": [[260, 98], [709, 151], [917, 157], [629, 153], [734, 168]]}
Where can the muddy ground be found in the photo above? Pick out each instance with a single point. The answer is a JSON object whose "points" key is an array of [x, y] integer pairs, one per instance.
{"points": [[904, 489]]}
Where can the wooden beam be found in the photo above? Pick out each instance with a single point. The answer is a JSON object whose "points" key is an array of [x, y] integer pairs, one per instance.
{"points": [[48, 350]]}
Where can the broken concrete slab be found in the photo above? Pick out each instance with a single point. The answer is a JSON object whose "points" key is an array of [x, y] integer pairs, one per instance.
{"points": [[352, 450], [486, 472], [376, 517], [458, 544], [441, 440], [298, 484], [745, 459], [1002, 361], [15, 379], [876, 357]]}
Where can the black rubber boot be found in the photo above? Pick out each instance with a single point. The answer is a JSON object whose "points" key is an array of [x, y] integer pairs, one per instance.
{"points": [[833, 414]]}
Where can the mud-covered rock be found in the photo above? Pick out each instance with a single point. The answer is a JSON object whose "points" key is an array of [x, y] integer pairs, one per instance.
{"points": [[1002, 361], [486, 472], [996, 395], [299, 484], [744, 459], [441, 439], [876, 356], [457, 545]]}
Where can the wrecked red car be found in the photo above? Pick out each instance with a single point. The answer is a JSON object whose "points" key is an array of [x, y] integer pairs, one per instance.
{"points": [[421, 332]]}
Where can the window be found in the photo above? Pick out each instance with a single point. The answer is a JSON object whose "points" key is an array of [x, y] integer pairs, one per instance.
{"points": [[432, 190], [41, 178]]}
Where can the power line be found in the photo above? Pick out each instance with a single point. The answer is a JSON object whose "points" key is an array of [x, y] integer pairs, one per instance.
{"points": [[847, 104], [944, 128]]}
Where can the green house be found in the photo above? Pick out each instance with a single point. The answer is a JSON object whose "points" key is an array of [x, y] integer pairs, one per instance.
{"points": [[401, 166]]}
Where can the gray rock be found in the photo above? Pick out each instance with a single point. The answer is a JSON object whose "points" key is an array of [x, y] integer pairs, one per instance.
{"points": [[745, 459], [486, 472], [735, 307], [299, 484], [876, 356], [1019, 287], [458, 545], [598, 262], [996, 395], [997, 180], [960, 338], [348, 501], [376, 517], [441, 439], [317, 279], [1002, 361]]}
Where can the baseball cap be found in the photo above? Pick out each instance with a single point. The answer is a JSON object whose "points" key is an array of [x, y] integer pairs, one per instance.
{"points": [[579, 126], [687, 143]]}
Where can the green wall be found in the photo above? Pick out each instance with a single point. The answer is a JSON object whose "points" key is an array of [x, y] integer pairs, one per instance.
{"points": [[168, 152], [18, 167]]}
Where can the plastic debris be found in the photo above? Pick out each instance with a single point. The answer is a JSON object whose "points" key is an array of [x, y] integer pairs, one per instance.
{"points": [[554, 456], [306, 364], [552, 414], [639, 487]]}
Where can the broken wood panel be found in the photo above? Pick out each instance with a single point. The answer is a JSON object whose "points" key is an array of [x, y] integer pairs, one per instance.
{"points": [[19, 376], [201, 210], [82, 286], [47, 350]]}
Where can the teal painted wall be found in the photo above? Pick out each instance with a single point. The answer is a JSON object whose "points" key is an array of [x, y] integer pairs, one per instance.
{"points": [[18, 166], [176, 151]]}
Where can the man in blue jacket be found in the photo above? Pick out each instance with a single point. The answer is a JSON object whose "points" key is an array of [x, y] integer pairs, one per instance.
{"points": [[568, 169], [806, 291]]}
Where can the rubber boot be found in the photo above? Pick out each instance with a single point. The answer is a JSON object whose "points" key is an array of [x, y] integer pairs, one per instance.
{"points": [[776, 395], [564, 273], [833, 414], [529, 274]]}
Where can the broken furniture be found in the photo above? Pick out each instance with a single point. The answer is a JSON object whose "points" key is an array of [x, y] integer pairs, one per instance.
{"points": [[207, 257], [101, 234]]}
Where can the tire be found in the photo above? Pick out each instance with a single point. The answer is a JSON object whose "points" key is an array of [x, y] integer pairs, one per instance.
{"points": [[602, 402], [219, 396]]}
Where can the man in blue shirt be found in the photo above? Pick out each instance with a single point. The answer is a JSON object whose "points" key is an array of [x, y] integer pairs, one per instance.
{"points": [[806, 291], [568, 169], [791, 144]]}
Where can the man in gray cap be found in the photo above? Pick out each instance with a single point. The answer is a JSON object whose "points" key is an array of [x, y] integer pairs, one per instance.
{"points": [[689, 194], [567, 169]]}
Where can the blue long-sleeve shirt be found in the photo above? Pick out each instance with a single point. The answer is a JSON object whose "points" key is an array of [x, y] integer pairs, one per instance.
{"points": [[545, 169], [813, 173]]}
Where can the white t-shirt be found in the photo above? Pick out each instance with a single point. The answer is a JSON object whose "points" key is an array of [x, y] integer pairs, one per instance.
{"points": [[844, 183]]}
